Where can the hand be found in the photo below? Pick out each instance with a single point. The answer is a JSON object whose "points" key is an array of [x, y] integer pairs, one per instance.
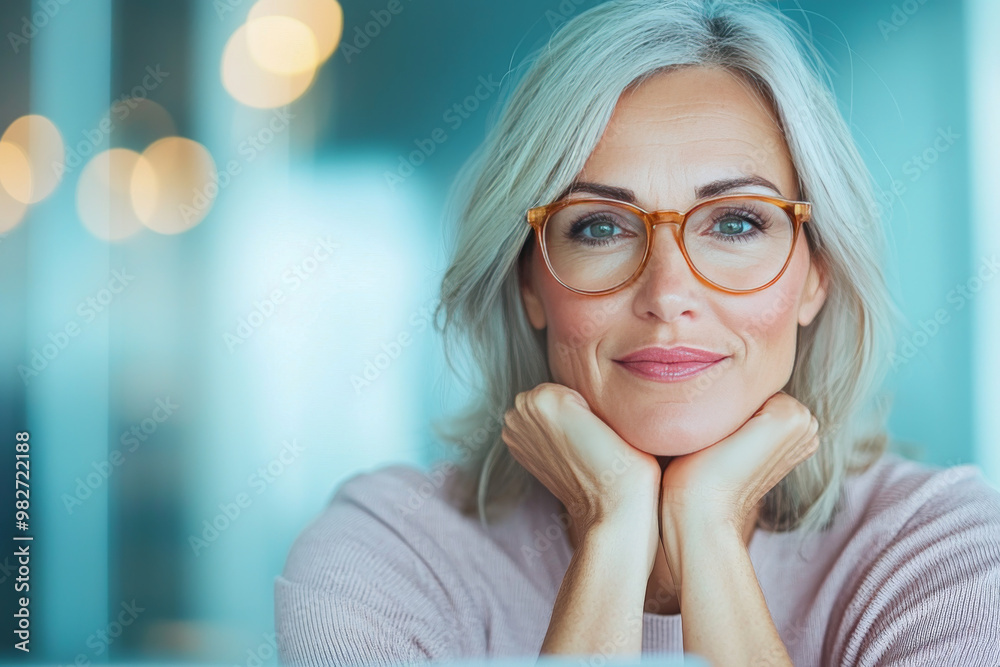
{"points": [[599, 477], [726, 481]]}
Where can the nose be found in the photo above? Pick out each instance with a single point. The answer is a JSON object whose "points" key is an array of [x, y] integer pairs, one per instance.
{"points": [[668, 223], [665, 252], [667, 283]]}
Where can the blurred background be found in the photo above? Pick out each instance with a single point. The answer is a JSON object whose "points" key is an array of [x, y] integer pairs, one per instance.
{"points": [[221, 241]]}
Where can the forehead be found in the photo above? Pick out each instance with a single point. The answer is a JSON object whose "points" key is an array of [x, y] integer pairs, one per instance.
{"points": [[687, 127]]}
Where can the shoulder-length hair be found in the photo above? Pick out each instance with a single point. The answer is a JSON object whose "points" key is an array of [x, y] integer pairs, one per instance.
{"points": [[541, 138]]}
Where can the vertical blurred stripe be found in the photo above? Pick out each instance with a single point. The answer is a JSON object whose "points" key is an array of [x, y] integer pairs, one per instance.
{"points": [[67, 403], [983, 22]]}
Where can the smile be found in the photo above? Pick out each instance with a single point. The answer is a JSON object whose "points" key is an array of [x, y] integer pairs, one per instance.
{"points": [[673, 372]]}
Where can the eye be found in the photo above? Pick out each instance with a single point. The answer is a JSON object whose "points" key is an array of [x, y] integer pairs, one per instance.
{"points": [[737, 224], [733, 225], [599, 229]]}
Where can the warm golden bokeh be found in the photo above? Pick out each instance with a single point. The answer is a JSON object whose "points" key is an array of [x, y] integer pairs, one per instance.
{"points": [[174, 186], [282, 45], [325, 19], [140, 122], [41, 144], [15, 172], [13, 165], [103, 195], [251, 84]]}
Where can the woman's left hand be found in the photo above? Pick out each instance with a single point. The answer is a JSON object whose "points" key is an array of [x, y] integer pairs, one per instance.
{"points": [[725, 481]]}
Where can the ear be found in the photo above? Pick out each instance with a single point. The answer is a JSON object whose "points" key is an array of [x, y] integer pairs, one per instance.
{"points": [[814, 291], [529, 295]]}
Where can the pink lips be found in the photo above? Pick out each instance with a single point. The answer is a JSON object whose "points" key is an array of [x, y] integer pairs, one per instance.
{"points": [[670, 364]]}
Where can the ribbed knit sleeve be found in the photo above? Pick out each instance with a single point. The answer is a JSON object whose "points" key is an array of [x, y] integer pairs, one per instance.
{"points": [[931, 595], [357, 590]]}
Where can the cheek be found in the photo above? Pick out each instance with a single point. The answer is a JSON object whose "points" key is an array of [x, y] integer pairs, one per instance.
{"points": [[768, 317], [768, 320], [576, 326]]}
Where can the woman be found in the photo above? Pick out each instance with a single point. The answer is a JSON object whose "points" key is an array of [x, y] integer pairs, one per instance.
{"points": [[668, 270]]}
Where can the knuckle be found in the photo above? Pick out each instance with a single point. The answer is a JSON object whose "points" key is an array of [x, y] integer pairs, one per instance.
{"points": [[780, 405], [548, 398]]}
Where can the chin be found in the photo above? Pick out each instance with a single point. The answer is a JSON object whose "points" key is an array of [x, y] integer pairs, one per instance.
{"points": [[675, 429]]}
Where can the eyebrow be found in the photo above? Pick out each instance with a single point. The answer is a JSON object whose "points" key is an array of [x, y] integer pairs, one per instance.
{"points": [[708, 190]]}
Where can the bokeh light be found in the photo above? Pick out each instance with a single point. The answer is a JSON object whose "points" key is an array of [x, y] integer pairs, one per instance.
{"points": [[41, 144], [145, 122], [104, 197], [15, 172], [174, 186], [282, 45], [13, 161], [324, 18], [254, 86]]}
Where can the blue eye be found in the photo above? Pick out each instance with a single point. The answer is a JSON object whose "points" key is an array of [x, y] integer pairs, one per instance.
{"points": [[600, 229], [595, 229], [736, 225]]}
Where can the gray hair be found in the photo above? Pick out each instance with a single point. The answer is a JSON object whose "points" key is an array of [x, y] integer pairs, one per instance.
{"points": [[540, 140]]}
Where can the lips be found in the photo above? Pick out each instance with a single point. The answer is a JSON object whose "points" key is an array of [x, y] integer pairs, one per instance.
{"points": [[672, 355], [670, 364]]}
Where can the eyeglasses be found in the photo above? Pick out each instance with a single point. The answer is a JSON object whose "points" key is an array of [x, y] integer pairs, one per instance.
{"points": [[735, 243]]}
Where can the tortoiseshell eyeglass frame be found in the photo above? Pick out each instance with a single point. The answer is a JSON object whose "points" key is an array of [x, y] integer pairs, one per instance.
{"points": [[799, 212]]}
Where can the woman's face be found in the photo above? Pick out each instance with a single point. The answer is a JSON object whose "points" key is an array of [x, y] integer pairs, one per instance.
{"points": [[678, 135]]}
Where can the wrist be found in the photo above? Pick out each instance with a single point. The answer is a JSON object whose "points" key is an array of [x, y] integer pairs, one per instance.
{"points": [[690, 538], [701, 516], [629, 536]]}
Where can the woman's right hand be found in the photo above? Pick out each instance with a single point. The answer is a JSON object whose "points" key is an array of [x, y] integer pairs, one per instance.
{"points": [[600, 478]]}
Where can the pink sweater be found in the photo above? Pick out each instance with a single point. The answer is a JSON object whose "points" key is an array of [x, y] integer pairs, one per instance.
{"points": [[909, 574]]}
